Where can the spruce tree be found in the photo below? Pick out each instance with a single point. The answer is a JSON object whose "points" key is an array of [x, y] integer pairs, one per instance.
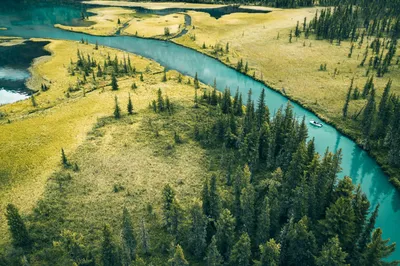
{"points": [[301, 244], [225, 233], [144, 237], [214, 199], [368, 120], [196, 82], [247, 214], [332, 254], [197, 230], [128, 238], [114, 83], [117, 110], [179, 258], [109, 254], [241, 252], [18, 230], [213, 257], [348, 97], [64, 160], [270, 253], [130, 105], [340, 220], [263, 223], [378, 250]]}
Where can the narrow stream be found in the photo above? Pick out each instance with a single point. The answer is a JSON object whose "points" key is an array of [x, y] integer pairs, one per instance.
{"points": [[356, 162]]}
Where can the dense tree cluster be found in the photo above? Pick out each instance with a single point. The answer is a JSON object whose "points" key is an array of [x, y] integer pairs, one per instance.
{"points": [[271, 201]]}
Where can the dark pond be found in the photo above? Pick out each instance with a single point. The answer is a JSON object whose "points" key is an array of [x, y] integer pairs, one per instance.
{"points": [[14, 63]]}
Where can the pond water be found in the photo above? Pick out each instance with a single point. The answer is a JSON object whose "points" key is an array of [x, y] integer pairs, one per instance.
{"points": [[14, 63], [356, 162]]}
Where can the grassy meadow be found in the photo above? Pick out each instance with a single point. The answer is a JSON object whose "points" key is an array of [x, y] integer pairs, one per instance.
{"points": [[32, 137]]}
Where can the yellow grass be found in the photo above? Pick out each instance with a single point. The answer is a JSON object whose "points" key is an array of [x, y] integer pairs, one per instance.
{"points": [[10, 41], [30, 145], [106, 21], [281, 64], [154, 26]]}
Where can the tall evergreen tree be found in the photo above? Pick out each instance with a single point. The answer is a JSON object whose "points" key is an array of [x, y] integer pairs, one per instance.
{"points": [[263, 223], [270, 253], [179, 258], [332, 254], [225, 233], [241, 252], [213, 257], [114, 83], [378, 250], [368, 120], [18, 230], [128, 238], [117, 110], [348, 97], [109, 255], [130, 105], [197, 230]]}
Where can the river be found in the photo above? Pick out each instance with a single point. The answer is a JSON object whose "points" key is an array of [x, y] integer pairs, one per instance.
{"points": [[356, 162]]}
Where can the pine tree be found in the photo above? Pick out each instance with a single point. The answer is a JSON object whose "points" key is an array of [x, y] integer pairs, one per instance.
{"points": [[384, 114], [179, 258], [378, 250], [270, 253], [128, 238], [340, 221], [263, 223], [196, 82], [225, 233], [117, 110], [241, 252], [300, 247], [164, 79], [348, 97], [214, 199], [332, 254], [144, 237], [33, 100], [160, 101], [368, 120], [262, 110], [18, 230], [114, 83], [213, 257], [64, 160], [247, 215], [197, 230], [130, 105], [109, 254], [97, 46]]}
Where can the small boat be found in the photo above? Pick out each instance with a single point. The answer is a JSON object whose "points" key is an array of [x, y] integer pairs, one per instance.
{"points": [[315, 123]]}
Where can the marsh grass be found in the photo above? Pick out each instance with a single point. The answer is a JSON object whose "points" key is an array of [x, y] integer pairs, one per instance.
{"points": [[123, 166], [30, 143]]}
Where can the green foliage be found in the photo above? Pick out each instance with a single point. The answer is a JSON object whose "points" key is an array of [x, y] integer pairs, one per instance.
{"points": [[128, 238], [241, 252], [197, 230], [114, 83], [110, 256], [117, 110], [130, 105], [18, 230], [332, 254], [213, 257], [270, 253], [179, 258]]}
